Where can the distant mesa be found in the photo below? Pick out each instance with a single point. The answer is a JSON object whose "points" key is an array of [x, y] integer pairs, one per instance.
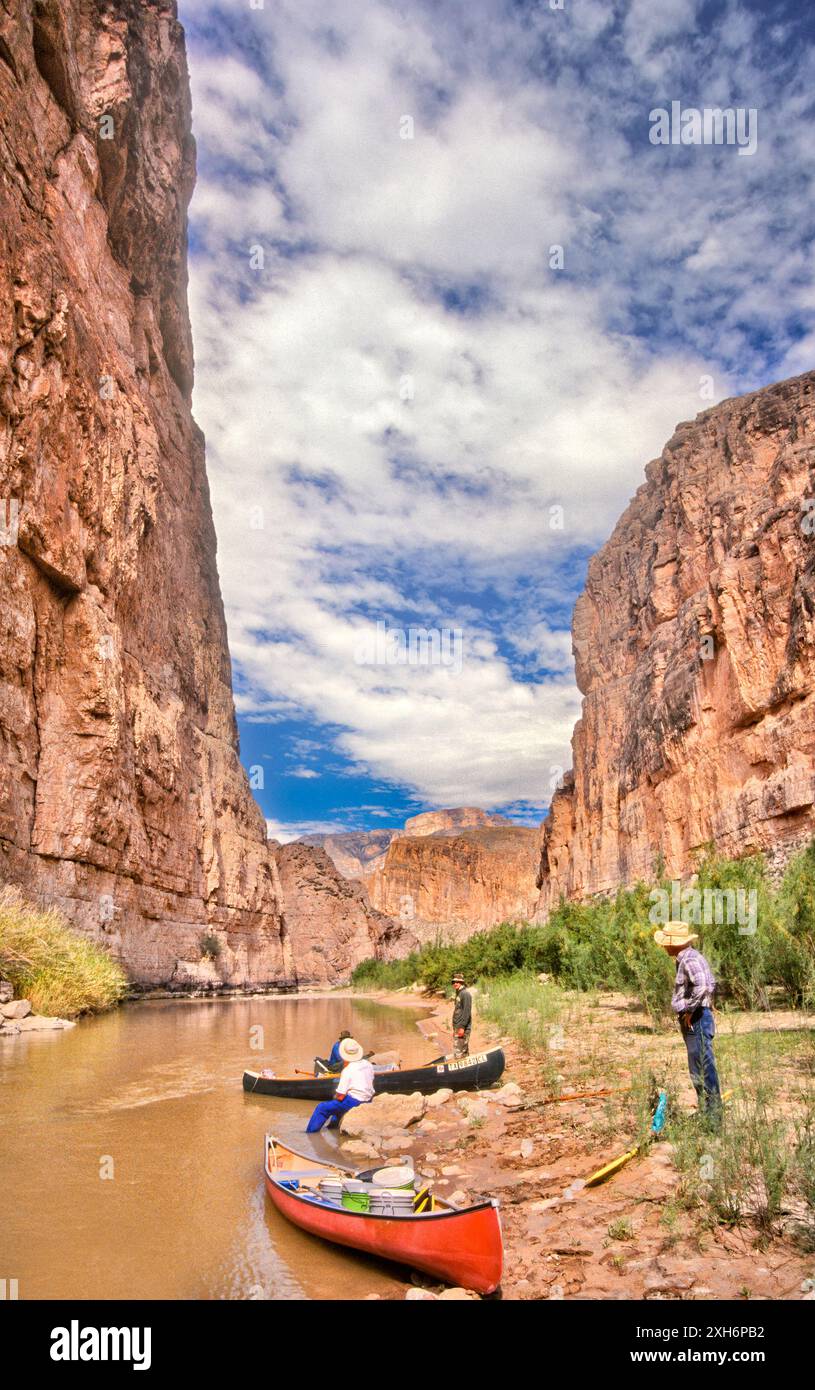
{"points": [[454, 870], [357, 853]]}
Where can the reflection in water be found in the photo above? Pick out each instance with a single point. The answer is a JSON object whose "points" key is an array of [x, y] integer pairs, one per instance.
{"points": [[151, 1094]]}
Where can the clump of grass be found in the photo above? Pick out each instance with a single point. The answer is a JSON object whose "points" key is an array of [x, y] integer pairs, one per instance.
{"points": [[763, 1156], [61, 972], [522, 1008], [621, 1229]]}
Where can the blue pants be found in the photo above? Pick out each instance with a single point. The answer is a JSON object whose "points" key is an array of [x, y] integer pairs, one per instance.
{"points": [[701, 1062], [331, 1110]]}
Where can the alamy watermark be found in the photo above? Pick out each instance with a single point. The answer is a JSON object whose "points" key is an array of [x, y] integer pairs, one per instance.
{"points": [[711, 125], [705, 907], [411, 646]]}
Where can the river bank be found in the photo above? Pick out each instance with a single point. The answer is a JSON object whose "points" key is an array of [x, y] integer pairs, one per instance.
{"points": [[653, 1230]]}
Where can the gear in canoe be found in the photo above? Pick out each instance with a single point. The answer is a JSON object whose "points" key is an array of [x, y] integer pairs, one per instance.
{"points": [[389, 1214]]}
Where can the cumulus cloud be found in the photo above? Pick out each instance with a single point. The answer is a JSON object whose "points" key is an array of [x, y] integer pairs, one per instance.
{"points": [[431, 369]]}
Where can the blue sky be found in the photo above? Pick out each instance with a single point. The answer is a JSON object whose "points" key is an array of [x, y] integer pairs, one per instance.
{"points": [[448, 299]]}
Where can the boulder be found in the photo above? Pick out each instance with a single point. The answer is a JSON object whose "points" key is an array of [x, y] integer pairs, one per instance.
{"points": [[509, 1095], [420, 1296], [438, 1098], [38, 1023], [473, 1107], [358, 1148], [383, 1115], [463, 1295], [16, 1009], [6, 991], [386, 1059], [394, 1144]]}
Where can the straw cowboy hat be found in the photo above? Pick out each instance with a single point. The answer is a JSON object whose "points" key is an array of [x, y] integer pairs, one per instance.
{"points": [[675, 934], [351, 1051]]}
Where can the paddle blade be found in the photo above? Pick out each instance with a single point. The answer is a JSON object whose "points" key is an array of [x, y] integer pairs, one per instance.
{"points": [[612, 1167]]}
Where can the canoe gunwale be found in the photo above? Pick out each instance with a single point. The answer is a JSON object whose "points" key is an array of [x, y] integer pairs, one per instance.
{"points": [[433, 1076], [467, 1253]]}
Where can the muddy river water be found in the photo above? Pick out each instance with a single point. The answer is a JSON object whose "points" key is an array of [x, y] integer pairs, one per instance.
{"points": [[131, 1158]]}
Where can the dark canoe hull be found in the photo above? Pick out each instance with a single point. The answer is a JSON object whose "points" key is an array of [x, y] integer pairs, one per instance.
{"points": [[465, 1074]]}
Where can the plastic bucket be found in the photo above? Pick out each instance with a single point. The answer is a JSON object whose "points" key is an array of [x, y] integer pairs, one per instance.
{"points": [[356, 1201]]}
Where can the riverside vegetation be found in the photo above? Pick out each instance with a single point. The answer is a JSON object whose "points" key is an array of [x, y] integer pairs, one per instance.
{"points": [[608, 943], [59, 971], [758, 1173]]}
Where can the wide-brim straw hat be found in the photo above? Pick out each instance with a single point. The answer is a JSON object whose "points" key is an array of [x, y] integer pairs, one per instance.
{"points": [[675, 934], [351, 1050]]}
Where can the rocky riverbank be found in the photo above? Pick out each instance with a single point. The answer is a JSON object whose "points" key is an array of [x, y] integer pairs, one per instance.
{"points": [[17, 1016], [637, 1236]]}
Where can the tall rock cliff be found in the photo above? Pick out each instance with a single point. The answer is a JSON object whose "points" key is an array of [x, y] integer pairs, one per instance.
{"points": [[122, 798], [458, 882], [694, 643], [330, 919]]}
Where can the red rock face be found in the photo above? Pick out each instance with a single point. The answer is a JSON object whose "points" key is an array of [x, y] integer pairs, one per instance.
{"points": [[330, 919], [122, 798], [458, 883], [694, 647], [451, 822]]}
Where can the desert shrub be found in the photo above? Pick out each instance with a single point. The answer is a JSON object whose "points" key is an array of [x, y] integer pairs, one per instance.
{"points": [[210, 946], [386, 974], [61, 972], [792, 956], [608, 943]]}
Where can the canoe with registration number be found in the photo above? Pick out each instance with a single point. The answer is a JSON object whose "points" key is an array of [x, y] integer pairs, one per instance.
{"points": [[472, 1073], [459, 1245]]}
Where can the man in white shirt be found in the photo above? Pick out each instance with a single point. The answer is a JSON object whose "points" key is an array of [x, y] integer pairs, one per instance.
{"points": [[355, 1087]]}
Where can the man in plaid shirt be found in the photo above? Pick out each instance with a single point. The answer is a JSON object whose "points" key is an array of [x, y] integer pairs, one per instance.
{"points": [[692, 1002]]}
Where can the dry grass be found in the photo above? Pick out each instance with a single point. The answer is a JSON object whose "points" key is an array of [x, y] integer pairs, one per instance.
{"points": [[61, 972]]}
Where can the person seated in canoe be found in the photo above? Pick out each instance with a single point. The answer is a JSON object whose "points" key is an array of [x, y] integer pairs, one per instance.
{"points": [[334, 1061], [355, 1087]]}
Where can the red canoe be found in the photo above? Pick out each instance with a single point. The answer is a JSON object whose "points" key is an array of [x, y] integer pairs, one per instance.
{"points": [[460, 1245]]}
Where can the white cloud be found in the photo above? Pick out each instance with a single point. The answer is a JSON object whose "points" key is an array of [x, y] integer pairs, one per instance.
{"points": [[375, 454]]}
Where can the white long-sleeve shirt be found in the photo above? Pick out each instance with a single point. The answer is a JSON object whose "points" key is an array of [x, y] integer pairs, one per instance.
{"points": [[357, 1081]]}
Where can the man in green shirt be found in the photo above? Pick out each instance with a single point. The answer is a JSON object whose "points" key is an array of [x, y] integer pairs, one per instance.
{"points": [[462, 1017]]}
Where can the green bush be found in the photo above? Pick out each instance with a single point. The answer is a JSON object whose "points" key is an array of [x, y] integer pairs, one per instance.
{"points": [[608, 943], [793, 955]]}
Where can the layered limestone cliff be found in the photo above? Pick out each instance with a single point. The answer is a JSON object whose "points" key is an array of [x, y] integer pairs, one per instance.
{"points": [[458, 883], [694, 643], [359, 853], [122, 798], [354, 852], [452, 821]]}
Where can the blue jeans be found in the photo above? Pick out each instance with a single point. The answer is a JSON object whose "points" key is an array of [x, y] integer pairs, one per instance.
{"points": [[701, 1061], [330, 1110]]}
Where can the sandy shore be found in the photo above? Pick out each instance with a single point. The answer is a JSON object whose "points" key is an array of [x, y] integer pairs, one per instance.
{"points": [[626, 1239]]}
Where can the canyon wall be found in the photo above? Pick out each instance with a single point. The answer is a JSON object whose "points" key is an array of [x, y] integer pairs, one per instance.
{"points": [[458, 883], [122, 798], [359, 853], [330, 918], [694, 643]]}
